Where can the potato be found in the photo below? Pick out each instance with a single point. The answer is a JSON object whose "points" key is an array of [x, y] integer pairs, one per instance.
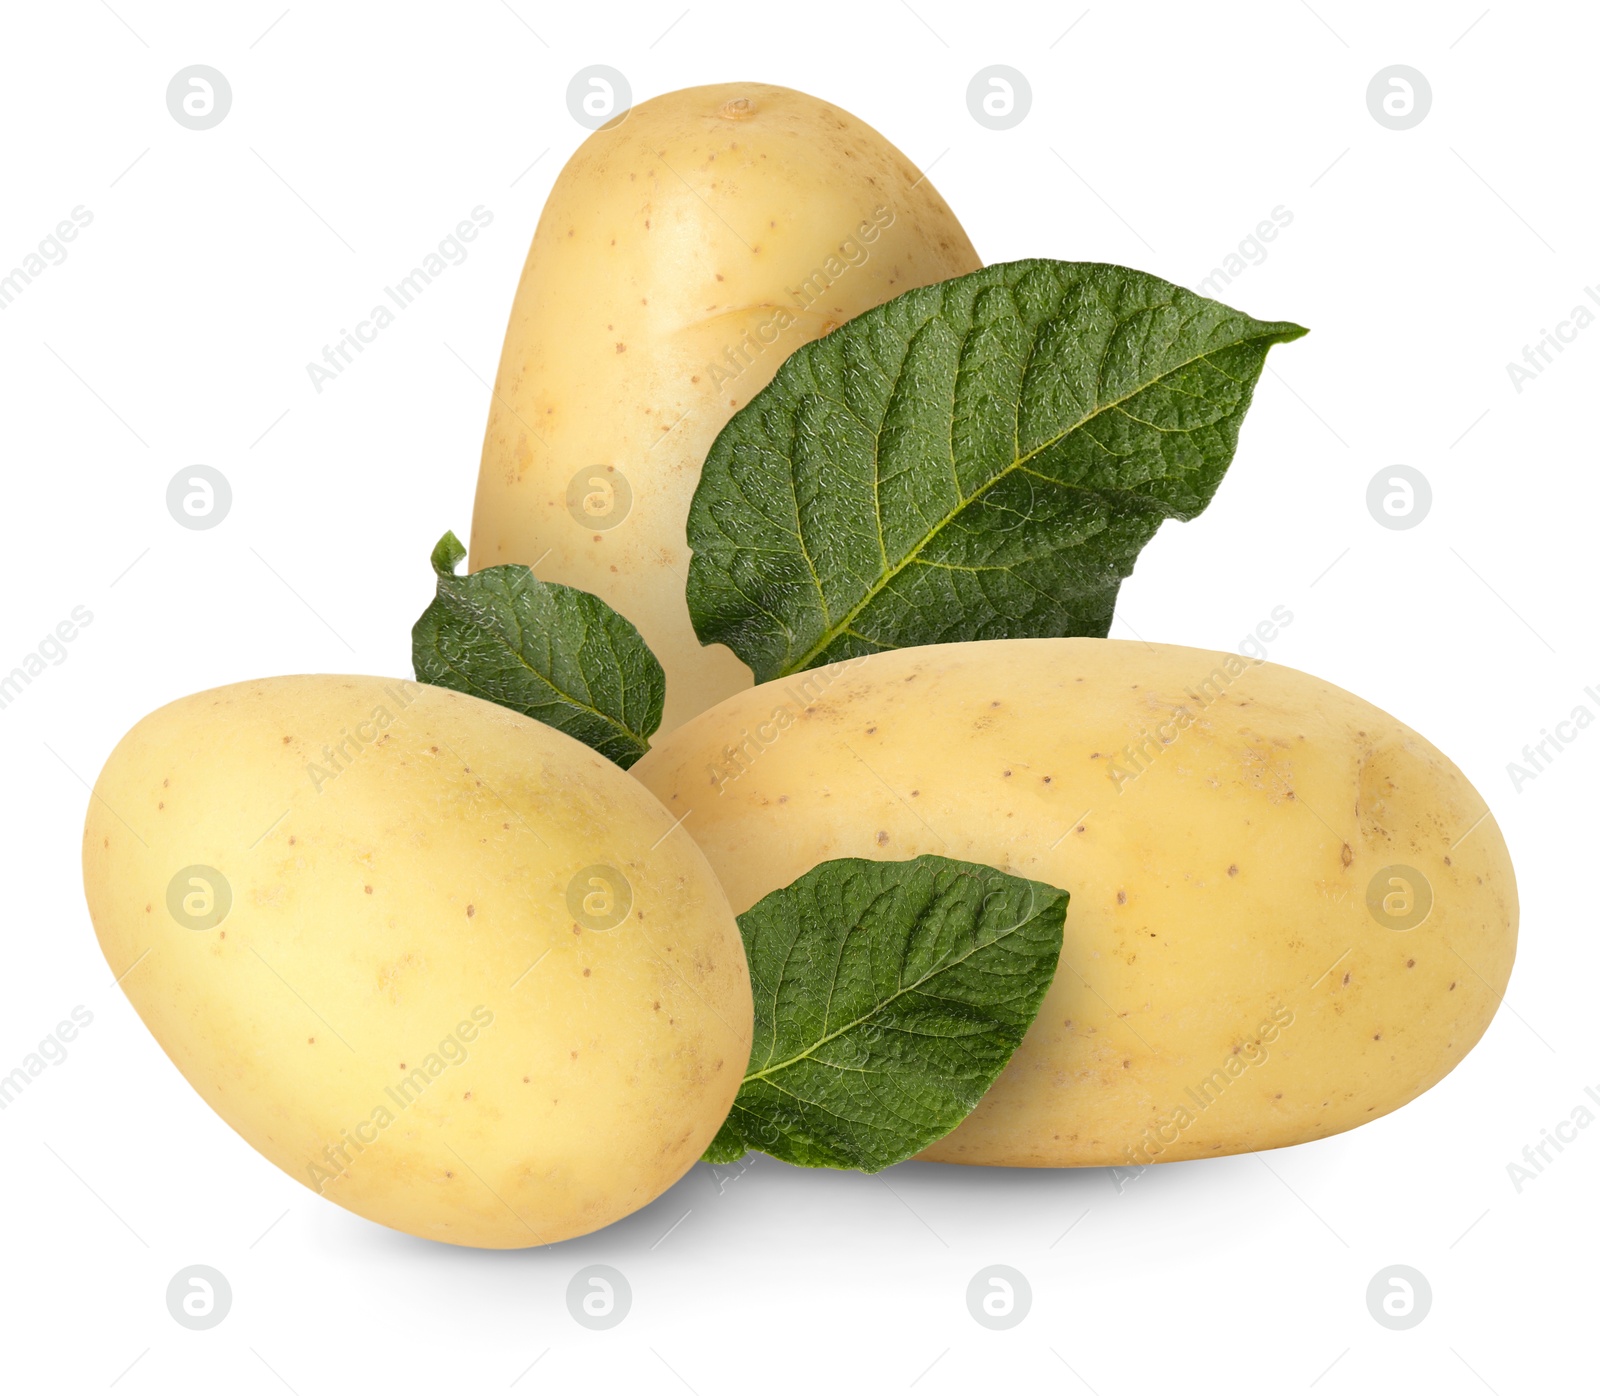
{"points": [[436, 961], [681, 257], [1225, 829]]}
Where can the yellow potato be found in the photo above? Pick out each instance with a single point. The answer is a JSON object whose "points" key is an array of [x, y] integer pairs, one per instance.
{"points": [[437, 961], [1221, 826], [682, 256]]}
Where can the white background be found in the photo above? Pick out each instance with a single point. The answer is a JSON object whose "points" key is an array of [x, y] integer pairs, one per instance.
{"points": [[219, 262]]}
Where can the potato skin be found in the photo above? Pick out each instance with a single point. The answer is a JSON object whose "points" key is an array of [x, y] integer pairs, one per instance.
{"points": [[675, 266], [1223, 985], [400, 941]]}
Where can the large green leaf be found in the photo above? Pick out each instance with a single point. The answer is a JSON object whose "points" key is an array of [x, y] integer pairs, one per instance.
{"points": [[979, 459], [888, 996], [552, 652]]}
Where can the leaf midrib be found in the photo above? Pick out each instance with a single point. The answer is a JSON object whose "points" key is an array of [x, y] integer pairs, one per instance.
{"points": [[878, 1008], [846, 621], [618, 725]]}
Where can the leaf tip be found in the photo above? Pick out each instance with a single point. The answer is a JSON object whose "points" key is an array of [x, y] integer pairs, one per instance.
{"points": [[448, 554]]}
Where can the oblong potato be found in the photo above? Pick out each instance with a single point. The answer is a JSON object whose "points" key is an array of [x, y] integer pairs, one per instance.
{"points": [[435, 960], [682, 255], [1221, 825]]}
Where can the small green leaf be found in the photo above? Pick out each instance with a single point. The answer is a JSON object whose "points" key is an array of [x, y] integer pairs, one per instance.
{"points": [[978, 459], [888, 997], [552, 652]]}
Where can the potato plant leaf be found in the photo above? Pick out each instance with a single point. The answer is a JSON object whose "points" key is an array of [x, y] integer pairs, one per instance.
{"points": [[552, 652], [978, 459], [888, 996]]}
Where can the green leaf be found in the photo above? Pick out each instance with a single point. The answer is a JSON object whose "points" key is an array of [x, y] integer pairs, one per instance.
{"points": [[888, 996], [979, 459], [552, 652]]}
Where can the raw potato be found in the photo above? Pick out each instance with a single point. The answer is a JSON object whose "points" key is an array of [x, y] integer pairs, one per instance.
{"points": [[400, 1007], [681, 257], [1224, 986]]}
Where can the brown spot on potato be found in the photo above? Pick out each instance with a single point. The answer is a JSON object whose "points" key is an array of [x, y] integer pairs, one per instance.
{"points": [[1122, 897], [883, 836], [1233, 870], [471, 911], [1345, 855]]}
